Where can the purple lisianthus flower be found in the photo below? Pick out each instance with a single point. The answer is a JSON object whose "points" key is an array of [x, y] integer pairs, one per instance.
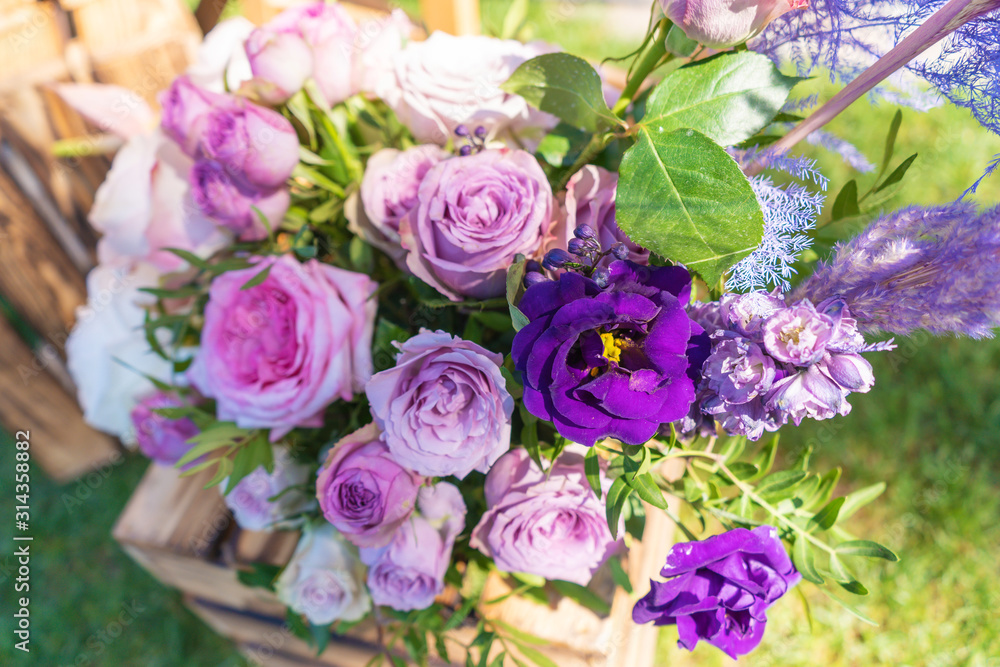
{"points": [[262, 500], [162, 439], [615, 362], [474, 215], [549, 525], [720, 589], [798, 334], [444, 407], [363, 491], [409, 573]]}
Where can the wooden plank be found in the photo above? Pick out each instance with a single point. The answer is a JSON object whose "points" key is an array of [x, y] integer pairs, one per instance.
{"points": [[36, 276], [61, 443], [458, 17]]}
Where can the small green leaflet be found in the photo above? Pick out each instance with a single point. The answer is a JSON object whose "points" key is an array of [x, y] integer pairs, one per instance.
{"points": [[683, 197], [566, 87]]}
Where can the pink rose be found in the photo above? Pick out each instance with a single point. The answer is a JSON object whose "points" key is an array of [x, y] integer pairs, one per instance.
{"points": [[389, 191], [723, 23], [474, 214], [447, 81], [162, 439], [230, 201], [590, 200], [277, 354], [144, 205], [363, 492]]}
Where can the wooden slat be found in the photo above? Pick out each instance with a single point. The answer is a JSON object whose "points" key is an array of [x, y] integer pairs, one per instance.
{"points": [[458, 17], [61, 443]]}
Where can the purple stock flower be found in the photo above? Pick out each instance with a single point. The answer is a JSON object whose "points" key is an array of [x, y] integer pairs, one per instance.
{"points": [[798, 334], [738, 370], [720, 589], [918, 268], [615, 362], [162, 439]]}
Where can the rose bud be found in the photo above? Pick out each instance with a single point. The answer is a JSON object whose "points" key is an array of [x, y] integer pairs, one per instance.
{"points": [[253, 142], [280, 60], [723, 23], [185, 111], [231, 202]]}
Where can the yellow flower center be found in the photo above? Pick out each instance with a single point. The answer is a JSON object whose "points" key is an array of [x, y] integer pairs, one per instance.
{"points": [[612, 348]]}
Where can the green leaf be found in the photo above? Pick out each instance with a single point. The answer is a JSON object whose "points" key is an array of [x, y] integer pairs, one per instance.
{"points": [[514, 20], [827, 483], [780, 484], [617, 497], [189, 257], [866, 548], [827, 516], [262, 575], [897, 174], [729, 97], [319, 637], [679, 43], [804, 559], [515, 289], [258, 279], [846, 580], [858, 499], [565, 86], [638, 463], [517, 634], [765, 458], [583, 595], [592, 468], [742, 470], [562, 145], [646, 488], [683, 197], [846, 203], [619, 575], [890, 141], [849, 607], [536, 656], [255, 453]]}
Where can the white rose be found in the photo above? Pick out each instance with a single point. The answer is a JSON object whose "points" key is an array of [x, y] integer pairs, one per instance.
{"points": [[250, 501], [108, 355], [447, 81], [325, 579], [145, 205], [221, 63]]}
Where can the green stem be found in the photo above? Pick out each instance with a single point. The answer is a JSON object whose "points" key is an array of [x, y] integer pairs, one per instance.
{"points": [[592, 150], [648, 60]]}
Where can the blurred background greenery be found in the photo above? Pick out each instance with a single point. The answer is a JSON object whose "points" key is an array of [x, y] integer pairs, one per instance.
{"points": [[929, 428]]}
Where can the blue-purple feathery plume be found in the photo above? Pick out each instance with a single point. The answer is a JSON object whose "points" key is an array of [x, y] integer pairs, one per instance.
{"points": [[990, 169], [789, 211], [929, 268], [846, 36]]}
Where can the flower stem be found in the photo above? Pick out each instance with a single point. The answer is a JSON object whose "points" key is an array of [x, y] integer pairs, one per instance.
{"points": [[943, 22], [649, 58]]}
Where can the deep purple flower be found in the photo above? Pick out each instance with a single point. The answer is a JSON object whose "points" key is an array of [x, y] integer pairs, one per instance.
{"points": [[720, 589], [615, 362]]}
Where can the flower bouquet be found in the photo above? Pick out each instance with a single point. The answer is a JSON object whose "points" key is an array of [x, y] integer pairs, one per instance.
{"points": [[457, 306]]}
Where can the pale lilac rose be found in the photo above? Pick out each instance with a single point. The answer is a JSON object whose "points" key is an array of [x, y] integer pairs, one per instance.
{"points": [[389, 191], [590, 200], [265, 501], [324, 581], [474, 215], [107, 353], [280, 61], [723, 23], [549, 525], [363, 491], [144, 205], [447, 81], [379, 40], [277, 354], [409, 573], [253, 143], [163, 439], [797, 334], [443, 409], [233, 203]]}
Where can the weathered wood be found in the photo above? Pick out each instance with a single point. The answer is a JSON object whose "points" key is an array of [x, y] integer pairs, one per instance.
{"points": [[61, 443], [32, 37], [458, 17]]}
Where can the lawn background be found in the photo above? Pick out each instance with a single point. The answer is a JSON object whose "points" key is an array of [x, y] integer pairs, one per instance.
{"points": [[929, 427]]}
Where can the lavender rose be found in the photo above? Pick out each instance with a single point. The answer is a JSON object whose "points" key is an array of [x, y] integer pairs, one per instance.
{"points": [[474, 215], [185, 112], [614, 362], [230, 201], [444, 407], [409, 572], [446, 81], [252, 142], [276, 354], [263, 500], [324, 581], [720, 589], [389, 191], [550, 525], [162, 439], [724, 23], [363, 491]]}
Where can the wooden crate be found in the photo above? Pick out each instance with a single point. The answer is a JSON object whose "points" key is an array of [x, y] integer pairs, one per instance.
{"points": [[184, 536]]}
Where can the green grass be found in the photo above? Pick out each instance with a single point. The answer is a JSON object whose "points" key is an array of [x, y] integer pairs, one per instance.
{"points": [[929, 428]]}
